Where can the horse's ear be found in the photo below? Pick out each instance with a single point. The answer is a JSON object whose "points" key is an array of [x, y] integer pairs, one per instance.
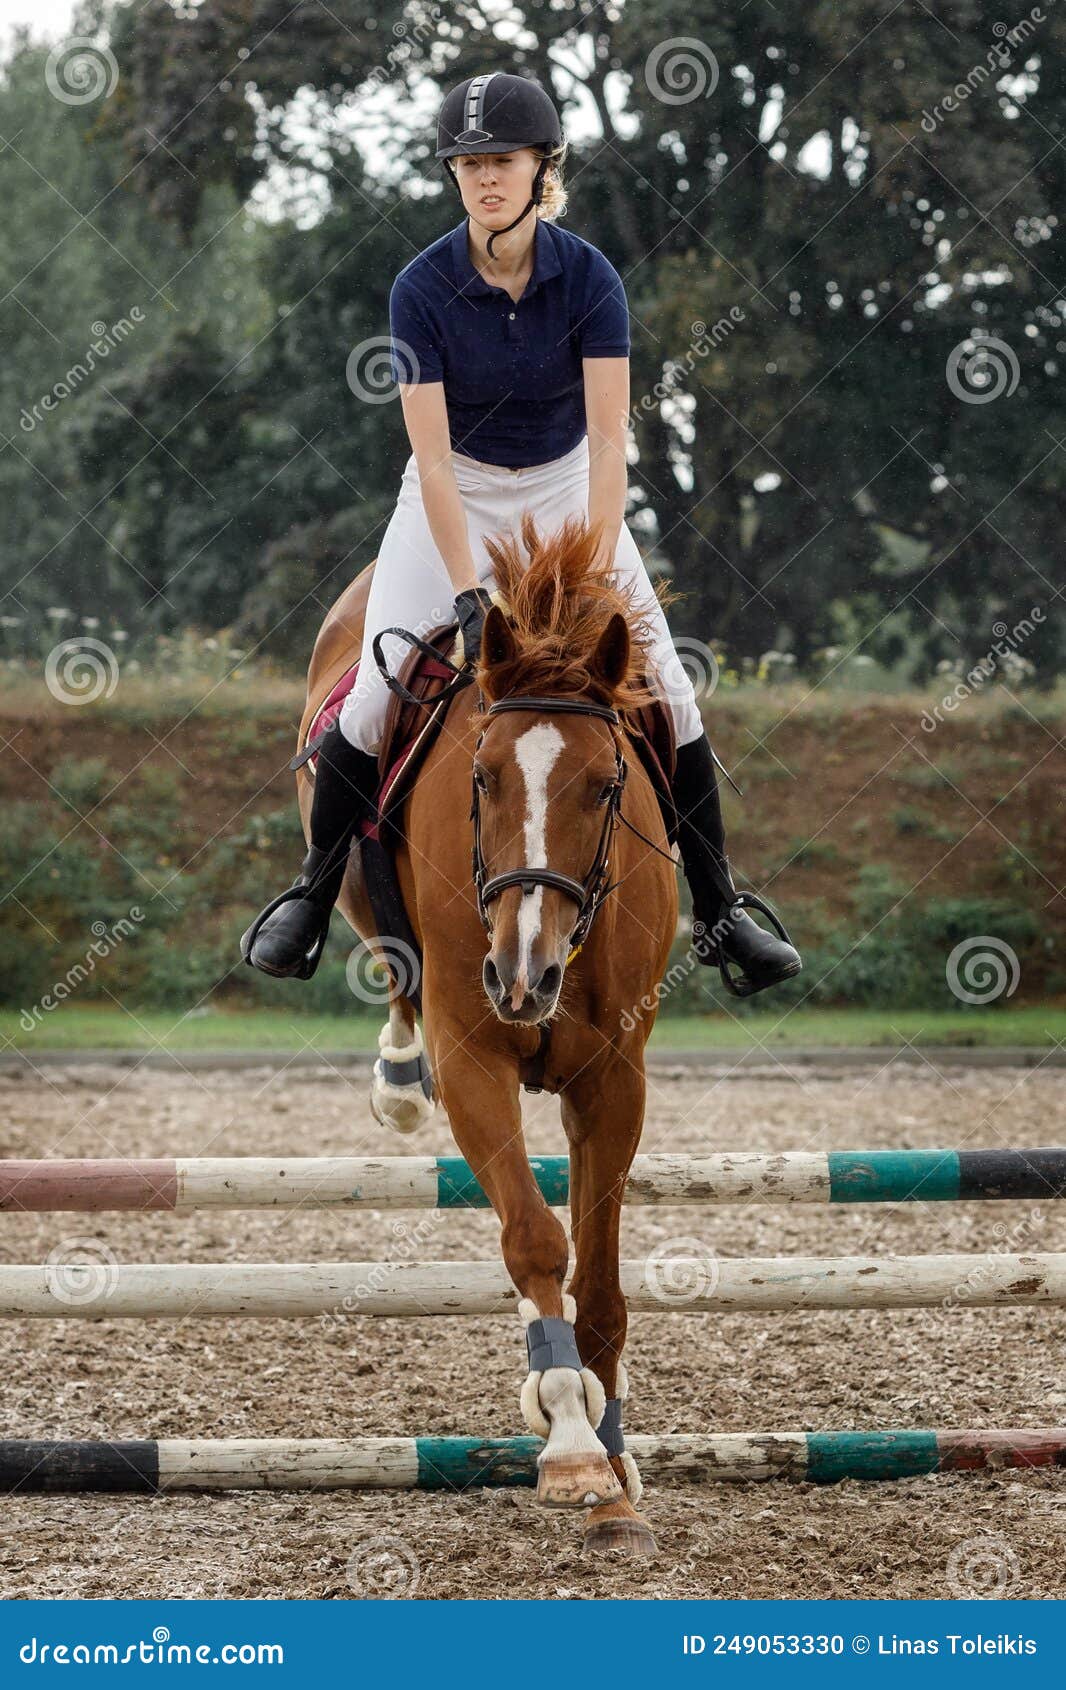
{"points": [[610, 660], [498, 643]]}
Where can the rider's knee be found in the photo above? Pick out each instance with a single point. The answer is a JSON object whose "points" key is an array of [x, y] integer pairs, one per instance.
{"points": [[362, 720]]}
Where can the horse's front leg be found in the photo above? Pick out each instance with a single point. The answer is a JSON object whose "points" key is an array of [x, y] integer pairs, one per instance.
{"points": [[603, 1118], [562, 1401]]}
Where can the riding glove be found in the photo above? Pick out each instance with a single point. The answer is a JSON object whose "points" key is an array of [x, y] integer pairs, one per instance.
{"points": [[471, 607]]}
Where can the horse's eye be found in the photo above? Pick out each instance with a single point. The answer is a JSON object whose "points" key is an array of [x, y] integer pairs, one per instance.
{"points": [[480, 782], [605, 793]]}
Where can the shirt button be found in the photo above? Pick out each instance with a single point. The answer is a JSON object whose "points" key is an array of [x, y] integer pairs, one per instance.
{"points": [[511, 315]]}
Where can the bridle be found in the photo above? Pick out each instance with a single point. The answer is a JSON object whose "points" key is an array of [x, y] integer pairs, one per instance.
{"points": [[587, 894]]}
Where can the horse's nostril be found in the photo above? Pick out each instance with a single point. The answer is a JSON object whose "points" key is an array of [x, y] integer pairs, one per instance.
{"points": [[491, 978], [550, 981]]}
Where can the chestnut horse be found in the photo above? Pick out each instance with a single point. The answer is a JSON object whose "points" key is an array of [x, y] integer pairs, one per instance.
{"points": [[545, 771]]}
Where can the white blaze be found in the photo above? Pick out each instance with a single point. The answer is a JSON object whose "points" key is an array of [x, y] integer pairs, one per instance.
{"points": [[536, 753]]}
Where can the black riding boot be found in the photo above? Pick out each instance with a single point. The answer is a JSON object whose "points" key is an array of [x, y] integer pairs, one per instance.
{"points": [[287, 937], [722, 931]]}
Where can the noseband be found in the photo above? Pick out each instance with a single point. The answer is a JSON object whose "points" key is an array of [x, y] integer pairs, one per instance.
{"points": [[587, 894]]}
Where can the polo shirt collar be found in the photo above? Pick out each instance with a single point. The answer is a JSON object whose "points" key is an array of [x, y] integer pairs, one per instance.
{"points": [[470, 281]]}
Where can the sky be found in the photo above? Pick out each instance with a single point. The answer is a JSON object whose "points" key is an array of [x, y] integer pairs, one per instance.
{"points": [[49, 17]]}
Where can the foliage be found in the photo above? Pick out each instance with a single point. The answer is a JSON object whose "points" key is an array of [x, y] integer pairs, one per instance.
{"points": [[810, 481]]}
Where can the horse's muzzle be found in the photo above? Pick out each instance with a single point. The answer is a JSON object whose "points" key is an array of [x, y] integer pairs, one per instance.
{"points": [[521, 998]]}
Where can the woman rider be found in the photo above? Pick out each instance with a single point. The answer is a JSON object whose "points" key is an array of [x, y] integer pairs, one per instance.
{"points": [[510, 363]]}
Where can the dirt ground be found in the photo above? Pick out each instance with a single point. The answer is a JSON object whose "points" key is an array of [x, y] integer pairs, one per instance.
{"points": [[967, 1535]]}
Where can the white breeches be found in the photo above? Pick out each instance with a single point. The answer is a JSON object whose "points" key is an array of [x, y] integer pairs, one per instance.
{"points": [[411, 588]]}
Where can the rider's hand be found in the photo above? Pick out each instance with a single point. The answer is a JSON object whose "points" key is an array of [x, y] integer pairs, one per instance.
{"points": [[471, 607]]}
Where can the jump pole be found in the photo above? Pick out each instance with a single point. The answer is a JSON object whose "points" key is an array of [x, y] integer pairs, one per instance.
{"points": [[692, 1285], [446, 1182], [459, 1464]]}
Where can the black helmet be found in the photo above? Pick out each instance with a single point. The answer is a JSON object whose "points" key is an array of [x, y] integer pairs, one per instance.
{"points": [[498, 113]]}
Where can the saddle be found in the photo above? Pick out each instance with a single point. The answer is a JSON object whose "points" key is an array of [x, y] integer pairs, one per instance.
{"points": [[410, 731]]}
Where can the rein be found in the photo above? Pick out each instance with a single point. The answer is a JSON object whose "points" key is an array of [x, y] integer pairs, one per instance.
{"points": [[587, 894]]}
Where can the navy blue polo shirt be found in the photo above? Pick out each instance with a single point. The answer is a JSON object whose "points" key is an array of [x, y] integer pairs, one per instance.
{"points": [[512, 373]]}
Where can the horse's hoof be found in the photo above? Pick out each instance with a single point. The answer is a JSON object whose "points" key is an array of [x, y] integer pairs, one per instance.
{"points": [[577, 1481], [632, 1536], [402, 1114], [401, 1087]]}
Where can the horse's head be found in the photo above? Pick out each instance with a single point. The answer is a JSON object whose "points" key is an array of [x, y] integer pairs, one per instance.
{"points": [[548, 768]]}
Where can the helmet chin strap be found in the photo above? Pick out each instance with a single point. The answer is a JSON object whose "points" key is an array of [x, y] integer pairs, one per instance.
{"points": [[537, 193]]}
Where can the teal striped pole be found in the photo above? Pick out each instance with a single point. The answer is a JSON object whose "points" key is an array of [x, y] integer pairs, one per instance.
{"points": [[459, 1464], [446, 1182], [834, 1176]]}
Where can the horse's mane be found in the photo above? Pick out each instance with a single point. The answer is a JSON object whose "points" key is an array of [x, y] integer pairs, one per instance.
{"points": [[558, 604]]}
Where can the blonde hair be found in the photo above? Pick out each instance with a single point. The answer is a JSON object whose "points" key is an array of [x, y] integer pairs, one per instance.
{"points": [[554, 194]]}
